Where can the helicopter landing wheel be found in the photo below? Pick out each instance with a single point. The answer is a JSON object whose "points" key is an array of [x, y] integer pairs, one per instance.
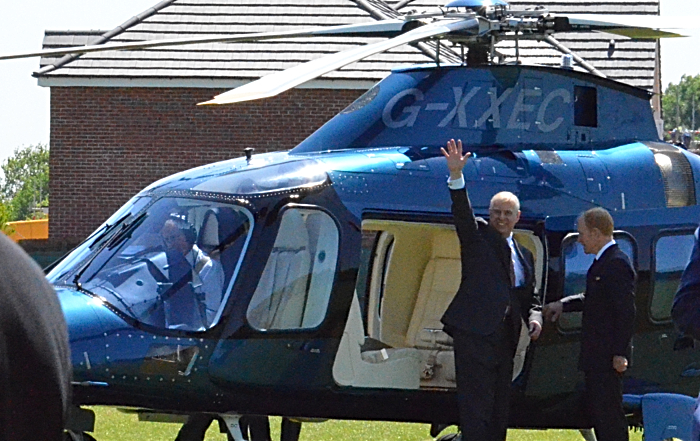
{"points": [[77, 436]]}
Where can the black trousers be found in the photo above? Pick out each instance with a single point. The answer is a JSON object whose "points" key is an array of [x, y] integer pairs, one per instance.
{"points": [[255, 428], [603, 397], [484, 366]]}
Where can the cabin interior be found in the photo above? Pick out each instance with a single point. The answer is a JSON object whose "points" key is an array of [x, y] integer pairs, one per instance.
{"points": [[412, 275]]}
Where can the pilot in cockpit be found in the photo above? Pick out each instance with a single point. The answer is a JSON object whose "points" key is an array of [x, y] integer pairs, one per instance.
{"points": [[197, 279]]}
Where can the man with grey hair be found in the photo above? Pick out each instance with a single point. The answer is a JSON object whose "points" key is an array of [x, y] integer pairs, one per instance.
{"points": [[497, 289], [607, 324]]}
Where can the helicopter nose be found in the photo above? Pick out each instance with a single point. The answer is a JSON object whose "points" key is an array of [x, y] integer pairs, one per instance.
{"points": [[85, 317]]}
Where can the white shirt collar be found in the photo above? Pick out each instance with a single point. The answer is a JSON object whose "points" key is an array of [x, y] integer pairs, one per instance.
{"points": [[605, 247]]}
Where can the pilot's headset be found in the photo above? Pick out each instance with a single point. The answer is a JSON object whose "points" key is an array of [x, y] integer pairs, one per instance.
{"points": [[185, 227]]}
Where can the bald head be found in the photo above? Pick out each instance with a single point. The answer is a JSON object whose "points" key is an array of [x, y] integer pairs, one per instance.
{"points": [[507, 197], [504, 212]]}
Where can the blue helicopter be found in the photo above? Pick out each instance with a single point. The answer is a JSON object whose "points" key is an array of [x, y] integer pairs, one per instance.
{"points": [[310, 283]]}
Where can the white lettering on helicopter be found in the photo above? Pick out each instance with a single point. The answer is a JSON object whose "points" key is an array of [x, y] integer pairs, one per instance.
{"points": [[495, 109], [559, 93], [493, 113], [412, 111], [460, 108]]}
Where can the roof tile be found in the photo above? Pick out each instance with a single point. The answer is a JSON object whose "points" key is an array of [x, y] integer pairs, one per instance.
{"points": [[630, 61]]}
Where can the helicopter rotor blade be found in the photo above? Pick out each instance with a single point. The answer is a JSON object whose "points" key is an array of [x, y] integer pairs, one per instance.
{"points": [[384, 28], [632, 26], [276, 83]]}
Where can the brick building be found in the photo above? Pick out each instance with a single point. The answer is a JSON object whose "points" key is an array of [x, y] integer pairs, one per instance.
{"points": [[121, 120]]}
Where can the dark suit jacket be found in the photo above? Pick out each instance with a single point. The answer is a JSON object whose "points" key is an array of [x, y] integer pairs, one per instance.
{"points": [[484, 292], [608, 310], [686, 304]]}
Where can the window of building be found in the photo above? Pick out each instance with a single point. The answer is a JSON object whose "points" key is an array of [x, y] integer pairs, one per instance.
{"points": [[295, 287], [671, 254]]}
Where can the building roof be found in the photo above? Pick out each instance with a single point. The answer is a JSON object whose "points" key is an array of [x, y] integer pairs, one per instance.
{"points": [[231, 64]]}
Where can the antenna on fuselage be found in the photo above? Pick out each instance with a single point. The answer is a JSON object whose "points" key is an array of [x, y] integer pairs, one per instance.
{"points": [[248, 153]]}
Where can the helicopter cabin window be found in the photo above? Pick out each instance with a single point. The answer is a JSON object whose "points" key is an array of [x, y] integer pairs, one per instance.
{"points": [[395, 338], [671, 254], [295, 286], [170, 266], [576, 264], [585, 106]]}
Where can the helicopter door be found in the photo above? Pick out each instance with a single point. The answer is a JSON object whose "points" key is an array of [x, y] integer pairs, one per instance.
{"points": [[658, 242], [287, 344]]}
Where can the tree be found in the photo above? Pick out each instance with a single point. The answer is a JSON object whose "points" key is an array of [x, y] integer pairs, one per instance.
{"points": [[681, 104], [26, 182], [4, 219]]}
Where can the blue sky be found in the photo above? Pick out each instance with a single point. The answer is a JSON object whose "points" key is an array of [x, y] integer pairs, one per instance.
{"points": [[24, 106]]}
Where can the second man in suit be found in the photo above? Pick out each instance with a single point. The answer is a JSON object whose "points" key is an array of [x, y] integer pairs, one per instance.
{"points": [[484, 319], [607, 324]]}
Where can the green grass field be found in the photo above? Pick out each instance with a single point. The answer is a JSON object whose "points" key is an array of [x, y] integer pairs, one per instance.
{"points": [[112, 425]]}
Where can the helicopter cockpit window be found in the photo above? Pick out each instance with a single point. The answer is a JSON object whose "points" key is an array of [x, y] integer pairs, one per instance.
{"points": [[128, 210], [171, 266], [671, 254], [295, 286], [576, 264]]}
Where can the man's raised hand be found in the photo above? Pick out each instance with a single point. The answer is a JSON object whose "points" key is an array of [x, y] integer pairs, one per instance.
{"points": [[455, 160]]}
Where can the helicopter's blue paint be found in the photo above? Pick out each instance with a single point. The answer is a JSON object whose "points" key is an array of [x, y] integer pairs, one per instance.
{"points": [[679, 217], [474, 3], [86, 331], [577, 181], [413, 179], [513, 107]]}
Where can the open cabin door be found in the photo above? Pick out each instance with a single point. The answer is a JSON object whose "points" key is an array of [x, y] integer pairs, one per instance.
{"points": [[394, 338], [659, 243]]}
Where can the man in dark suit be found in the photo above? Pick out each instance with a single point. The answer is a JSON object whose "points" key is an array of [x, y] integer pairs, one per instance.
{"points": [[484, 318], [607, 325]]}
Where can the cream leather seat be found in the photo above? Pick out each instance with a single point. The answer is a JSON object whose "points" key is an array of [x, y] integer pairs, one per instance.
{"points": [[440, 283], [278, 301], [438, 287]]}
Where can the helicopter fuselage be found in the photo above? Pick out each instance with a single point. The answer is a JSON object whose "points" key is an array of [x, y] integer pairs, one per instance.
{"points": [[332, 252]]}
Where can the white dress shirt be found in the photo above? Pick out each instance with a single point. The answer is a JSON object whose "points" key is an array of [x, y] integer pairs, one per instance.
{"points": [[605, 247], [211, 280], [456, 184], [517, 263]]}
